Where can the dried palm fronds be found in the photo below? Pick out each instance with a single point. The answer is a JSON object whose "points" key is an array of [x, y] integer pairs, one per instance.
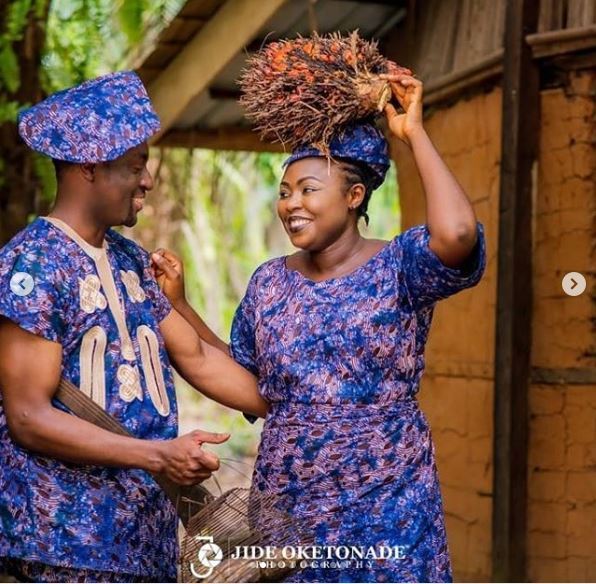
{"points": [[301, 91]]}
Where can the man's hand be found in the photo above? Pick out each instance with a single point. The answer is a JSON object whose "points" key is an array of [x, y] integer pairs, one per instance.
{"points": [[35, 424], [185, 462], [169, 273]]}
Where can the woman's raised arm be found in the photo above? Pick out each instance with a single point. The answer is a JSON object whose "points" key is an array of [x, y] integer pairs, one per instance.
{"points": [[450, 217]]}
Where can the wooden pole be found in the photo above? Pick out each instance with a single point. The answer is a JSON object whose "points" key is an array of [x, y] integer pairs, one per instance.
{"points": [[520, 124]]}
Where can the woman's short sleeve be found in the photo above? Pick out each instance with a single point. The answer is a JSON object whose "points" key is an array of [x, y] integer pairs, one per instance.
{"points": [[242, 337], [427, 278], [32, 297]]}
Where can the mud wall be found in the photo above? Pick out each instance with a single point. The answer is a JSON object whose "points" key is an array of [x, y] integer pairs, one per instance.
{"points": [[561, 536], [457, 389]]}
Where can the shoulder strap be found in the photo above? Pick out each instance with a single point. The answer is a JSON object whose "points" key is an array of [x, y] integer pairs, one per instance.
{"points": [[186, 500]]}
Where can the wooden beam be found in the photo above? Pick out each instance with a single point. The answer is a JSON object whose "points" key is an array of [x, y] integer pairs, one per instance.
{"points": [[557, 42], [221, 139], [453, 84], [564, 376], [234, 25], [573, 61], [396, 3], [224, 93], [567, 48], [520, 124], [539, 375]]}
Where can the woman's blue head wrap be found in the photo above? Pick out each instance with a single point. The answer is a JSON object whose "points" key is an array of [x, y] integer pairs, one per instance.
{"points": [[361, 142]]}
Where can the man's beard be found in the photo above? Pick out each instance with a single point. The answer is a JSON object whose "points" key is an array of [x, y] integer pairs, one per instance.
{"points": [[132, 218]]}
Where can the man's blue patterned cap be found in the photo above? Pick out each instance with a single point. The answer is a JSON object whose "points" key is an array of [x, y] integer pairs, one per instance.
{"points": [[96, 121], [361, 142]]}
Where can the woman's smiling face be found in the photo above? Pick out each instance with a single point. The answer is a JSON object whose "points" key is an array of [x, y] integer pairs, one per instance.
{"points": [[314, 205]]}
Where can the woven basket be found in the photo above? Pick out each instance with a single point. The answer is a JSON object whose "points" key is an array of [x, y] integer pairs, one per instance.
{"points": [[238, 518]]}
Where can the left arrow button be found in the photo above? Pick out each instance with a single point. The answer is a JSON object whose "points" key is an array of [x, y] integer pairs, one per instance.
{"points": [[21, 283]]}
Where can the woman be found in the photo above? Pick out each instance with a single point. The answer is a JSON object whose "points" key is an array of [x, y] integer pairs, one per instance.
{"points": [[335, 334]]}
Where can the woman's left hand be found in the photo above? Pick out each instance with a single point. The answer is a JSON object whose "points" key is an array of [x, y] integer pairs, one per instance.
{"points": [[408, 92]]}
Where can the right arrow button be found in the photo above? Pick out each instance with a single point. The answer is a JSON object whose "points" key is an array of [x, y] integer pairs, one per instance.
{"points": [[573, 284]]}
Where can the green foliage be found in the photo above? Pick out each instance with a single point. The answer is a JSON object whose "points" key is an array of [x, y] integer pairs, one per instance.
{"points": [[383, 209], [44, 169], [9, 68], [81, 42], [84, 38], [130, 15], [87, 38], [8, 109], [11, 32], [16, 19], [138, 18]]}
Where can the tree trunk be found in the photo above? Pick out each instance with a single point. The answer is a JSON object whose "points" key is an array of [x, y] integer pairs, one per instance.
{"points": [[20, 191]]}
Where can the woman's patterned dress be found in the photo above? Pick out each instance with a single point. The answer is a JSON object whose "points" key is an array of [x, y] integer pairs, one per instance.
{"points": [[345, 445]]}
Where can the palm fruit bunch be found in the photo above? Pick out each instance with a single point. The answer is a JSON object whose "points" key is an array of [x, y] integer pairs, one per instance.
{"points": [[302, 91]]}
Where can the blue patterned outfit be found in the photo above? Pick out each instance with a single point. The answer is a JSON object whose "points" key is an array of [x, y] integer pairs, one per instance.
{"points": [[96, 121], [104, 307], [360, 141], [345, 445]]}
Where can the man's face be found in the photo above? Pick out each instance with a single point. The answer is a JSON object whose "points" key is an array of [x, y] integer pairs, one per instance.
{"points": [[121, 186]]}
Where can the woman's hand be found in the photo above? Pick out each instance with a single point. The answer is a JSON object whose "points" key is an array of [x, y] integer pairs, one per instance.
{"points": [[169, 273], [408, 92]]}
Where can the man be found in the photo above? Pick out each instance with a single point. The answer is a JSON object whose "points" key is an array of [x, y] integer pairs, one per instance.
{"points": [[78, 300]]}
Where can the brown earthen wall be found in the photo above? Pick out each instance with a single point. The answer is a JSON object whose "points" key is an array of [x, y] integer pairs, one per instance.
{"points": [[457, 389], [562, 454]]}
